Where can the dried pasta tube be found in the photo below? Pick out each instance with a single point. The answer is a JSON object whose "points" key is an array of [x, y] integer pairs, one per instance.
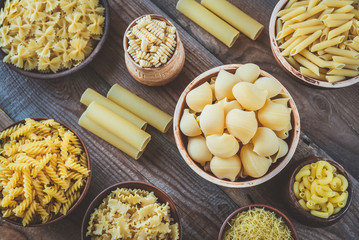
{"points": [[146, 111], [234, 16], [119, 126], [90, 95], [209, 21], [87, 123]]}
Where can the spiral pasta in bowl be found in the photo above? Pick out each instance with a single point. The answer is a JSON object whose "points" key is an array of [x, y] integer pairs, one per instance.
{"points": [[51, 39], [317, 41], [319, 191], [154, 52], [45, 172], [236, 125]]}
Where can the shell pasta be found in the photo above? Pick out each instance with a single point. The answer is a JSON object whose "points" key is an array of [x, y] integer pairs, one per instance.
{"points": [[237, 124], [320, 38]]}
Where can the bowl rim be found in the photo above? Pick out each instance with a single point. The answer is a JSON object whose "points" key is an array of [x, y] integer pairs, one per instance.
{"points": [[288, 67], [129, 184], [84, 190], [293, 200], [267, 207], [125, 42], [49, 76], [238, 184]]}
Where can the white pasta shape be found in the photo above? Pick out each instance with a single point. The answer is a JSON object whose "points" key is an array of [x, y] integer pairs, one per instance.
{"points": [[242, 124], [249, 95], [265, 142], [226, 168], [198, 150], [253, 164], [199, 97]]}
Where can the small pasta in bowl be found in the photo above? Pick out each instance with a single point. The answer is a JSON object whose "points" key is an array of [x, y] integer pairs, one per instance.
{"points": [[45, 172], [154, 52], [319, 191], [236, 125], [317, 41]]}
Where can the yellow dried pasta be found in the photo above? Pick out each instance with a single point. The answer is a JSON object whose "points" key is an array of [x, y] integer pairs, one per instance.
{"points": [[43, 169], [132, 214], [49, 35], [151, 42]]}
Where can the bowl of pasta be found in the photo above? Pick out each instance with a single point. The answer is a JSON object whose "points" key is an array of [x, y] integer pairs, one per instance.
{"points": [[45, 172], [319, 191], [74, 33], [236, 125], [154, 52], [257, 221], [132, 210], [317, 41]]}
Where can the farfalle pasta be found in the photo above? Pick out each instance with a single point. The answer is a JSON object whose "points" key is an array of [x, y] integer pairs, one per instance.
{"points": [[51, 35], [43, 169], [243, 119], [132, 214]]}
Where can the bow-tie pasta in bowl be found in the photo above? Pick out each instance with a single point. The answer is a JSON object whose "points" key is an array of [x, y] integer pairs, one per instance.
{"points": [[236, 125], [48, 39]]}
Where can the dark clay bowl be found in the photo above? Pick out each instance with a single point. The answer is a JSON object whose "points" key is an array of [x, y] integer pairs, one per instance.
{"points": [[83, 191], [47, 76], [305, 217], [162, 198], [278, 213]]}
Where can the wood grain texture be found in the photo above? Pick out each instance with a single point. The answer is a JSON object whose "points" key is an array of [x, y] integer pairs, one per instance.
{"points": [[202, 206]]}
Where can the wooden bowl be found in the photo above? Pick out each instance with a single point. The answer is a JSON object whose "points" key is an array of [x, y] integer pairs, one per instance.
{"points": [[162, 198], [298, 212], [47, 76], [288, 67], [181, 140], [155, 76], [84, 188], [278, 213]]}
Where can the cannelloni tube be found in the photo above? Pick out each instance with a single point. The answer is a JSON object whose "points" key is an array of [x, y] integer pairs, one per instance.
{"points": [[90, 95], [118, 126], [234, 16], [209, 21], [88, 124], [146, 111]]}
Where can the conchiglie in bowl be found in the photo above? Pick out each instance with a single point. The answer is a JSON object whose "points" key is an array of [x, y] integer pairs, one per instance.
{"points": [[236, 125]]}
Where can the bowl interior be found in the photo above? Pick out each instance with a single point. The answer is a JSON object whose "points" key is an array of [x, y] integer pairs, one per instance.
{"points": [[278, 213], [83, 189], [125, 41], [288, 67], [45, 76], [181, 139], [162, 198], [307, 216]]}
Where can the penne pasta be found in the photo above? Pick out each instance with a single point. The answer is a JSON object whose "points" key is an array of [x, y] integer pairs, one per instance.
{"points": [[334, 23], [312, 3], [306, 42], [308, 73], [343, 72], [326, 11], [333, 79], [309, 13], [303, 61], [327, 43], [314, 59], [335, 3], [307, 30], [345, 9], [344, 53], [288, 49], [293, 13], [345, 60], [308, 23], [290, 4], [337, 31], [293, 62], [352, 67], [338, 16]]}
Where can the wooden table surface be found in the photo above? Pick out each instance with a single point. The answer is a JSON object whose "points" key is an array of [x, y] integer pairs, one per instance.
{"points": [[329, 121]]}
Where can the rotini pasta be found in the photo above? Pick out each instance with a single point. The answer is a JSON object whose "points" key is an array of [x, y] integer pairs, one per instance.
{"points": [[43, 169], [151, 43]]}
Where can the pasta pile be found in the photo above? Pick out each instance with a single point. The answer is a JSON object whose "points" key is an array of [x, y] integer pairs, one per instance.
{"points": [[43, 168], [49, 35], [151, 42], [257, 223], [320, 38], [320, 190], [237, 120], [132, 214]]}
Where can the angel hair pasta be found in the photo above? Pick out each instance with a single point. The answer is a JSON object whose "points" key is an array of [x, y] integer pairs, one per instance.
{"points": [[151, 42], [132, 214], [49, 35], [43, 168]]}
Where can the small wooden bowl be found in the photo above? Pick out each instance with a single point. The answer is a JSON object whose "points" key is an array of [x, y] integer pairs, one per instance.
{"points": [[155, 76], [162, 198], [181, 140], [288, 67], [298, 212], [278, 213], [47, 76], [84, 188]]}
